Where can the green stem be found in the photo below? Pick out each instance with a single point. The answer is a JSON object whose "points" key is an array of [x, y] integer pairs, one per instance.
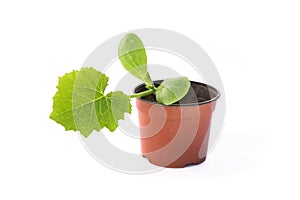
{"points": [[142, 94]]}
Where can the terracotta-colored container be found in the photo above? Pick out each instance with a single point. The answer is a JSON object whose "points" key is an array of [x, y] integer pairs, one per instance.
{"points": [[177, 135]]}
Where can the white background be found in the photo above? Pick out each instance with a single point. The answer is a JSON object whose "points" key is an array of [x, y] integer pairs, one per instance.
{"points": [[255, 46]]}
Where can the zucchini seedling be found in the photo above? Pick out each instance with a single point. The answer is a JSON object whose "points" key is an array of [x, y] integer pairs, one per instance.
{"points": [[82, 104]]}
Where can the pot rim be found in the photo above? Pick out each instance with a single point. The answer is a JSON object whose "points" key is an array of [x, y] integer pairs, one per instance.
{"points": [[157, 82]]}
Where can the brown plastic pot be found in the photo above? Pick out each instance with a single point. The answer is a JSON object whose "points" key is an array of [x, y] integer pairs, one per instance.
{"points": [[177, 135]]}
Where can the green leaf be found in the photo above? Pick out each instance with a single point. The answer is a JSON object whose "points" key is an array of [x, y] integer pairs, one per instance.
{"points": [[80, 103], [112, 108], [62, 106], [88, 90], [132, 55], [172, 90]]}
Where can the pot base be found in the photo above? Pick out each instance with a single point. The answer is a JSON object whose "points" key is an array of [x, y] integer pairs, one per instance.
{"points": [[178, 163]]}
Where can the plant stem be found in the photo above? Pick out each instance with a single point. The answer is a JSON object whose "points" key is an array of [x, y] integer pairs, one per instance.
{"points": [[142, 94]]}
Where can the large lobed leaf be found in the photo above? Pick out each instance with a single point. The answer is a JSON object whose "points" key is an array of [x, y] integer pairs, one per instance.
{"points": [[112, 108], [80, 103], [62, 106]]}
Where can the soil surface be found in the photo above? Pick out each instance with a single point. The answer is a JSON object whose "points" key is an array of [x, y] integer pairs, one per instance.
{"points": [[185, 100], [198, 93]]}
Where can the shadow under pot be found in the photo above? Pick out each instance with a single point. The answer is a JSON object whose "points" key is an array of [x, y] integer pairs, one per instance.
{"points": [[177, 135]]}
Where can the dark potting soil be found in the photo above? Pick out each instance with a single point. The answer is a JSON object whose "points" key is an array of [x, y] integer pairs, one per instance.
{"points": [[198, 93], [185, 100]]}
